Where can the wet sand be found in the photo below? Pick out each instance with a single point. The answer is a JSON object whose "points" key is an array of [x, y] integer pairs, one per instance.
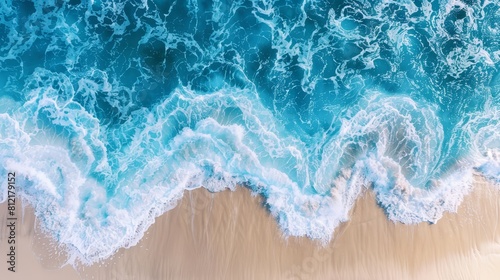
{"points": [[229, 235]]}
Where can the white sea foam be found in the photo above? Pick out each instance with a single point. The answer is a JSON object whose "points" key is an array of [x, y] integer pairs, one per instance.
{"points": [[388, 145]]}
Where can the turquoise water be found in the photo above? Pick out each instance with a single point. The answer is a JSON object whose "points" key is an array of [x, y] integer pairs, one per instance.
{"points": [[110, 110]]}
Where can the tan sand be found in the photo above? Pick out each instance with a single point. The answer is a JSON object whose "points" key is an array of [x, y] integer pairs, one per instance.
{"points": [[28, 266], [231, 236]]}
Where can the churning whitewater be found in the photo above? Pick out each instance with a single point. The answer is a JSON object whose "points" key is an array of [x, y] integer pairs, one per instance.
{"points": [[111, 110]]}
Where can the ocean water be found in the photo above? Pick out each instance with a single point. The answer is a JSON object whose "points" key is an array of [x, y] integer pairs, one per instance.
{"points": [[111, 110]]}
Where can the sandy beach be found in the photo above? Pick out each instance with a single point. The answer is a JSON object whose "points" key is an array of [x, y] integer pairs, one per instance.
{"points": [[229, 235], [348, 118]]}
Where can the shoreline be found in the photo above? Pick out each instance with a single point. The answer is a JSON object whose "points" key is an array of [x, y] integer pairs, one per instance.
{"points": [[229, 235]]}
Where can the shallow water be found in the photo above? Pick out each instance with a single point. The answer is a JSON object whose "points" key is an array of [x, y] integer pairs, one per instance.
{"points": [[110, 110]]}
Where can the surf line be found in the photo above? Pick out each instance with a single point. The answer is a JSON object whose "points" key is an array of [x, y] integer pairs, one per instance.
{"points": [[11, 221]]}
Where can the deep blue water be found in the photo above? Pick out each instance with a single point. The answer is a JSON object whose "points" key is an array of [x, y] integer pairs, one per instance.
{"points": [[110, 110]]}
